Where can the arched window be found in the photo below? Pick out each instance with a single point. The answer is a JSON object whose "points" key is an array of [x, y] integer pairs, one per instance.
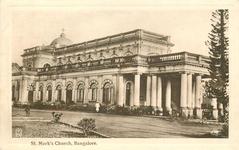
{"points": [[46, 65], [49, 93], [93, 89], [41, 93], [80, 93], [69, 88], [59, 93], [107, 93]]}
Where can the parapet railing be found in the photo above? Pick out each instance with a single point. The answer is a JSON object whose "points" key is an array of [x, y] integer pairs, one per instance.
{"points": [[185, 57], [132, 60]]}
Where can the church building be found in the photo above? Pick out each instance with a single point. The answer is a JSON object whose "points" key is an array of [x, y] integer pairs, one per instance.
{"points": [[135, 68]]}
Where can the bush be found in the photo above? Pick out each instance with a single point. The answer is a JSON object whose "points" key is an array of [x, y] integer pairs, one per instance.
{"points": [[37, 105], [56, 116], [87, 125]]}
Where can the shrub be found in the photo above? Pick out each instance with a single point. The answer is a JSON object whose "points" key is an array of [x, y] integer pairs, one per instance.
{"points": [[147, 110], [56, 116], [37, 105], [87, 125]]}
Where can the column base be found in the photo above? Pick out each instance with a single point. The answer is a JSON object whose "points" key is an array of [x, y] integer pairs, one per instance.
{"points": [[190, 112], [215, 114], [198, 113], [184, 112], [168, 111], [160, 111]]}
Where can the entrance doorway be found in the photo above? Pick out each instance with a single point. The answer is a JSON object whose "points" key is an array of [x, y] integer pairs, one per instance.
{"points": [[107, 93], [128, 93], [69, 94], [30, 96], [49, 93]]}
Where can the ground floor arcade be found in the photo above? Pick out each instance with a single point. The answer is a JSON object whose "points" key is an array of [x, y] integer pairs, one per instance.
{"points": [[165, 92]]}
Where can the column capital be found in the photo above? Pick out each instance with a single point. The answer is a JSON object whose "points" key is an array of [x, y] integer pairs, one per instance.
{"points": [[183, 72], [137, 73], [198, 74]]}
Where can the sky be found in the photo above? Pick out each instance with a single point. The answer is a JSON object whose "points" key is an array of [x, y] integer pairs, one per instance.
{"points": [[188, 28]]}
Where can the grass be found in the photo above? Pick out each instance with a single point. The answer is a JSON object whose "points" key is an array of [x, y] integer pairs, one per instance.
{"points": [[118, 126], [33, 129]]}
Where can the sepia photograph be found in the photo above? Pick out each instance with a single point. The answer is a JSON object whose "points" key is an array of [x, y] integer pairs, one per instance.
{"points": [[118, 72], [120, 84]]}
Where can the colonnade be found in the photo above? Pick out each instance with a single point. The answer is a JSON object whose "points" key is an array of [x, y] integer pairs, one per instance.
{"points": [[190, 93]]}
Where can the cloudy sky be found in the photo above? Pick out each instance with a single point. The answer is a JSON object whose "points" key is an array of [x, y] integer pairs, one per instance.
{"points": [[188, 28]]}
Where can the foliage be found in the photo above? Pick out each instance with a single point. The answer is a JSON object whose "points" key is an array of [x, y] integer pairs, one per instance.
{"points": [[218, 44], [218, 49], [56, 116], [87, 125]]}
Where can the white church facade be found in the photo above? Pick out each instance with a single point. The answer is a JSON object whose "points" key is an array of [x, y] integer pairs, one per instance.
{"points": [[135, 68]]}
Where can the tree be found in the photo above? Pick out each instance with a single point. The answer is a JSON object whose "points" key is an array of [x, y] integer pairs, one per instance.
{"points": [[218, 44]]}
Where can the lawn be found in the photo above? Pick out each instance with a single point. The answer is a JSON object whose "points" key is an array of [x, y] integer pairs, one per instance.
{"points": [[118, 126], [45, 129]]}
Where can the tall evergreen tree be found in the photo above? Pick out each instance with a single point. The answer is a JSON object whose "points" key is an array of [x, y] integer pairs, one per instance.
{"points": [[218, 44]]}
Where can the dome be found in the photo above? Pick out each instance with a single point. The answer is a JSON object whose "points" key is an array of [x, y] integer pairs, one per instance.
{"points": [[61, 41]]}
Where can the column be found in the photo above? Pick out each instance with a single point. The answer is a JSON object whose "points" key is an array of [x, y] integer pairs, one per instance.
{"points": [[115, 92], [198, 97], [193, 95], [153, 91], [131, 102], [136, 89], [168, 97], [86, 90], [74, 88], [100, 89], [23, 91], [183, 97], [53, 91], [189, 94], [121, 90], [63, 97], [44, 96], [148, 89], [56, 95], [36, 98], [159, 95], [46, 99]]}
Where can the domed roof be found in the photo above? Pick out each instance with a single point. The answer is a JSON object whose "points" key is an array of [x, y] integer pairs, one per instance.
{"points": [[61, 41]]}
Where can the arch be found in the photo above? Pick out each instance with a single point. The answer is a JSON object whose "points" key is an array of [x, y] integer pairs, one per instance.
{"points": [[128, 93], [59, 84], [40, 90], [59, 92], [80, 84], [107, 92], [93, 82], [69, 83], [69, 88], [93, 90], [106, 81], [80, 91], [46, 65], [49, 92]]}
